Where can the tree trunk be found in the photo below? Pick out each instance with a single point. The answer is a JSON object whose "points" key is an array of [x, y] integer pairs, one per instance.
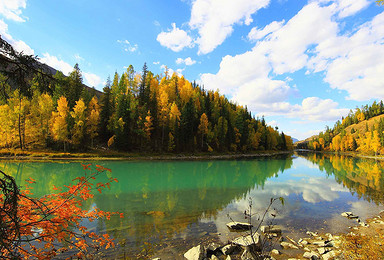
{"points": [[20, 138]]}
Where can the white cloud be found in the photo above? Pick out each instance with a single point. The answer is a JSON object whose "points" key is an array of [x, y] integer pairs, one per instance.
{"points": [[92, 80], [19, 45], [175, 39], [187, 61], [257, 34], [214, 19], [310, 40], [317, 109], [171, 71], [156, 62], [355, 63], [348, 7], [12, 9], [78, 57], [127, 46], [56, 63]]}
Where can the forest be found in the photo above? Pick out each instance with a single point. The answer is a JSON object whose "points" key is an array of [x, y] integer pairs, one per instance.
{"points": [[137, 111], [362, 131]]}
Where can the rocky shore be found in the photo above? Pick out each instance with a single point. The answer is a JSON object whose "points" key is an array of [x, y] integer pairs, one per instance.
{"points": [[271, 243]]}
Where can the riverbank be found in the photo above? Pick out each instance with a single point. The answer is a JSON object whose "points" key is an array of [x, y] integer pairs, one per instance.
{"points": [[350, 154], [364, 241], [109, 155]]}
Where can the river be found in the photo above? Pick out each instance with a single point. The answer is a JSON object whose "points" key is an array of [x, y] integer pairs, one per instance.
{"points": [[170, 206]]}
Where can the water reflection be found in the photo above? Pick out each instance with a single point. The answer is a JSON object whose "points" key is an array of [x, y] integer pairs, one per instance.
{"points": [[363, 177]]}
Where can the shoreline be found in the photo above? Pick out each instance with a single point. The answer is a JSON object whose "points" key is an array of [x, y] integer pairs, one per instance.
{"points": [[53, 156], [350, 154]]}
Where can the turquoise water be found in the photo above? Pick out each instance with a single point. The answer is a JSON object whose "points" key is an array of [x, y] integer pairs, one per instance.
{"points": [[170, 206]]}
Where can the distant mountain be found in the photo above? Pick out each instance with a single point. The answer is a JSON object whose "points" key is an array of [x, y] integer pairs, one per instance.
{"points": [[294, 140], [8, 65]]}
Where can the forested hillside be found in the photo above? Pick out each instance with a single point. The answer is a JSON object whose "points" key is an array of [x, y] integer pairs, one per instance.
{"points": [[136, 112], [361, 131]]}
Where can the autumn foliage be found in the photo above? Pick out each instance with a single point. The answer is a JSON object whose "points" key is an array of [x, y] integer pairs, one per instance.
{"points": [[42, 228]]}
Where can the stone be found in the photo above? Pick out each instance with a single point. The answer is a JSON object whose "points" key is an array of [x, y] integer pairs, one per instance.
{"points": [[287, 245], [228, 249], [239, 225], [271, 229], [303, 242], [275, 252], [157, 258], [329, 255], [247, 240], [319, 243], [349, 215], [311, 255], [322, 250], [213, 257], [195, 253], [363, 224], [213, 247], [228, 257], [329, 244]]}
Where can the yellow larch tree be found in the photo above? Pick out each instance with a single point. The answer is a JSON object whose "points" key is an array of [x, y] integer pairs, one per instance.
{"points": [[79, 116], [174, 117], [59, 124], [203, 127], [336, 143], [375, 142], [163, 112], [93, 119], [148, 125], [8, 131]]}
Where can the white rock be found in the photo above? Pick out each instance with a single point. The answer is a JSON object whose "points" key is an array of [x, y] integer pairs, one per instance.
{"points": [[349, 215], [311, 255], [329, 255], [271, 229], [247, 241], [287, 245], [275, 252], [195, 253], [322, 250], [319, 243]]}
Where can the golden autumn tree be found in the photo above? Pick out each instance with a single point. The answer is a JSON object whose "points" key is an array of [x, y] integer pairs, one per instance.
{"points": [[203, 127], [163, 113], [336, 143], [79, 116], [8, 132], [93, 119], [174, 117], [59, 124], [148, 125], [375, 142]]}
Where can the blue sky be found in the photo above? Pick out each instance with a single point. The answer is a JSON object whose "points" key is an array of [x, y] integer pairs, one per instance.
{"points": [[302, 64]]}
